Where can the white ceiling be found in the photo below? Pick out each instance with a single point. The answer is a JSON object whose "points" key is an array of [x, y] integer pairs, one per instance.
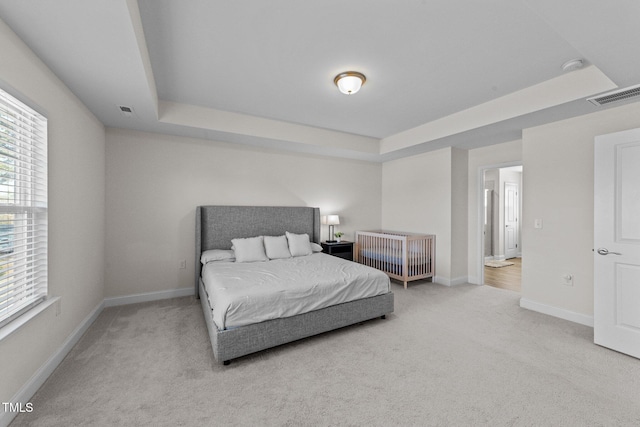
{"points": [[439, 73]]}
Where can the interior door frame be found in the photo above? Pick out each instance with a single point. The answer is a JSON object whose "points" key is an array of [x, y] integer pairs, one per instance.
{"points": [[518, 222], [480, 214]]}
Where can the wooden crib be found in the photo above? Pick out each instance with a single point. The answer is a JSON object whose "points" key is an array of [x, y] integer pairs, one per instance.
{"points": [[403, 256]]}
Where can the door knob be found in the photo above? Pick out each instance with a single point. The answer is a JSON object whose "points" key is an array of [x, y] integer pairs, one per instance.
{"points": [[605, 251]]}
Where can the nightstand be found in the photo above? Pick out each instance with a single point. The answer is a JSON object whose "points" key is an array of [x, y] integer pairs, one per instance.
{"points": [[340, 249]]}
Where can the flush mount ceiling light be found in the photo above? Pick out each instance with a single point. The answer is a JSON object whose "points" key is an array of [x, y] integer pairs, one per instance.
{"points": [[349, 82], [572, 65]]}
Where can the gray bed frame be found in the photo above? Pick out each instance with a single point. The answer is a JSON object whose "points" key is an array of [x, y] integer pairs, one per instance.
{"points": [[216, 226]]}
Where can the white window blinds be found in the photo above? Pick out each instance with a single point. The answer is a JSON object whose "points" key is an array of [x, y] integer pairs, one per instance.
{"points": [[23, 208]]}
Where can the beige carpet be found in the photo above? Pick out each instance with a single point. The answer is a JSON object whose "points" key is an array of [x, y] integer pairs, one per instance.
{"points": [[459, 356], [497, 264]]}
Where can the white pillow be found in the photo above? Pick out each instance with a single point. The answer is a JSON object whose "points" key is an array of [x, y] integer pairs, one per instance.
{"points": [[249, 250], [299, 244], [276, 247], [217, 255], [316, 247]]}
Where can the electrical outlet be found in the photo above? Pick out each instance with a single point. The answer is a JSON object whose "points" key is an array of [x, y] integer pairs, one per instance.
{"points": [[182, 264], [567, 280]]}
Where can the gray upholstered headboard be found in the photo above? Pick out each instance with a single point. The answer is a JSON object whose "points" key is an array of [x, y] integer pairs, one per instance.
{"points": [[217, 225]]}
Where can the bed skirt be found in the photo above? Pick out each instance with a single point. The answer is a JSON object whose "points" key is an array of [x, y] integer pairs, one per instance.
{"points": [[233, 343]]}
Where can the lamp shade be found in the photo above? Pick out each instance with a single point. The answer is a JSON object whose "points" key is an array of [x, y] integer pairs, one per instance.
{"points": [[333, 220], [349, 82]]}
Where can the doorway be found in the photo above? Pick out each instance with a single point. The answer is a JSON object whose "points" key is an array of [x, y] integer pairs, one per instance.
{"points": [[500, 218]]}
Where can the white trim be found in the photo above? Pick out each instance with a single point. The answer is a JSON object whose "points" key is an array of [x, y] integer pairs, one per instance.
{"points": [[459, 281], [451, 282], [561, 313], [441, 280], [27, 391], [149, 296], [474, 280], [18, 322]]}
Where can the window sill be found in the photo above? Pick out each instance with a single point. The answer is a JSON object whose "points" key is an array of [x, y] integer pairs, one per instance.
{"points": [[16, 324]]}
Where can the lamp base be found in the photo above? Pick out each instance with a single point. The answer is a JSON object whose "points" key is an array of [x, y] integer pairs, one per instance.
{"points": [[331, 241]]}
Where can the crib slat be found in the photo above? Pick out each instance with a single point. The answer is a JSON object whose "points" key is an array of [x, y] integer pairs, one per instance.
{"points": [[403, 256]]}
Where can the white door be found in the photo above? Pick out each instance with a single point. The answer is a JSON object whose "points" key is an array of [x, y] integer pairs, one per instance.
{"points": [[617, 242], [488, 223], [510, 219]]}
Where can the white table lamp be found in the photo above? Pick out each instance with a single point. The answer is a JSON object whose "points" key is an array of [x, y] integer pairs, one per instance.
{"points": [[331, 220]]}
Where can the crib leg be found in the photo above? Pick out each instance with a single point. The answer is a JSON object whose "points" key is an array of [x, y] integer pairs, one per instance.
{"points": [[405, 285]]}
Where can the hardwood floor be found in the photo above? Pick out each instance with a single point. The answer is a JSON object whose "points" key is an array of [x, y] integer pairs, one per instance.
{"points": [[505, 277]]}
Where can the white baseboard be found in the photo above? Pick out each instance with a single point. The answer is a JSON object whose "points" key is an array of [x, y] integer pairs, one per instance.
{"points": [[149, 296], [40, 376], [451, 282], [459, 281], [561, 313], [441, 280], [473, 280]]}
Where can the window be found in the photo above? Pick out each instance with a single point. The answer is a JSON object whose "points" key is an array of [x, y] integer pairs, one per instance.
{"points": [[23, 208]]}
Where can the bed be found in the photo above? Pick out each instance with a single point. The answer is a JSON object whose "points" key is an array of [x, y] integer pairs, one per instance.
{"points": [[237, 328], [402, 256]]}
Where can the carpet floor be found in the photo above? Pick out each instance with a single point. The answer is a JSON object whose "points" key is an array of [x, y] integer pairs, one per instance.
{"points": [[460, 356]]}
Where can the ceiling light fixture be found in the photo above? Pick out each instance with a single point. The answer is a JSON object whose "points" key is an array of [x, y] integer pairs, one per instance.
{"points": [[572, 65], [349, 82]]}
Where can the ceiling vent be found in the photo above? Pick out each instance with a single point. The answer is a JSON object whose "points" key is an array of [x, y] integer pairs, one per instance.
{"points": [[616, 95], [126, 111]]}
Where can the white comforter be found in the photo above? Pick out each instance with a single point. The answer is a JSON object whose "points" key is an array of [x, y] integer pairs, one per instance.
{"points": [[245, 293]]}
